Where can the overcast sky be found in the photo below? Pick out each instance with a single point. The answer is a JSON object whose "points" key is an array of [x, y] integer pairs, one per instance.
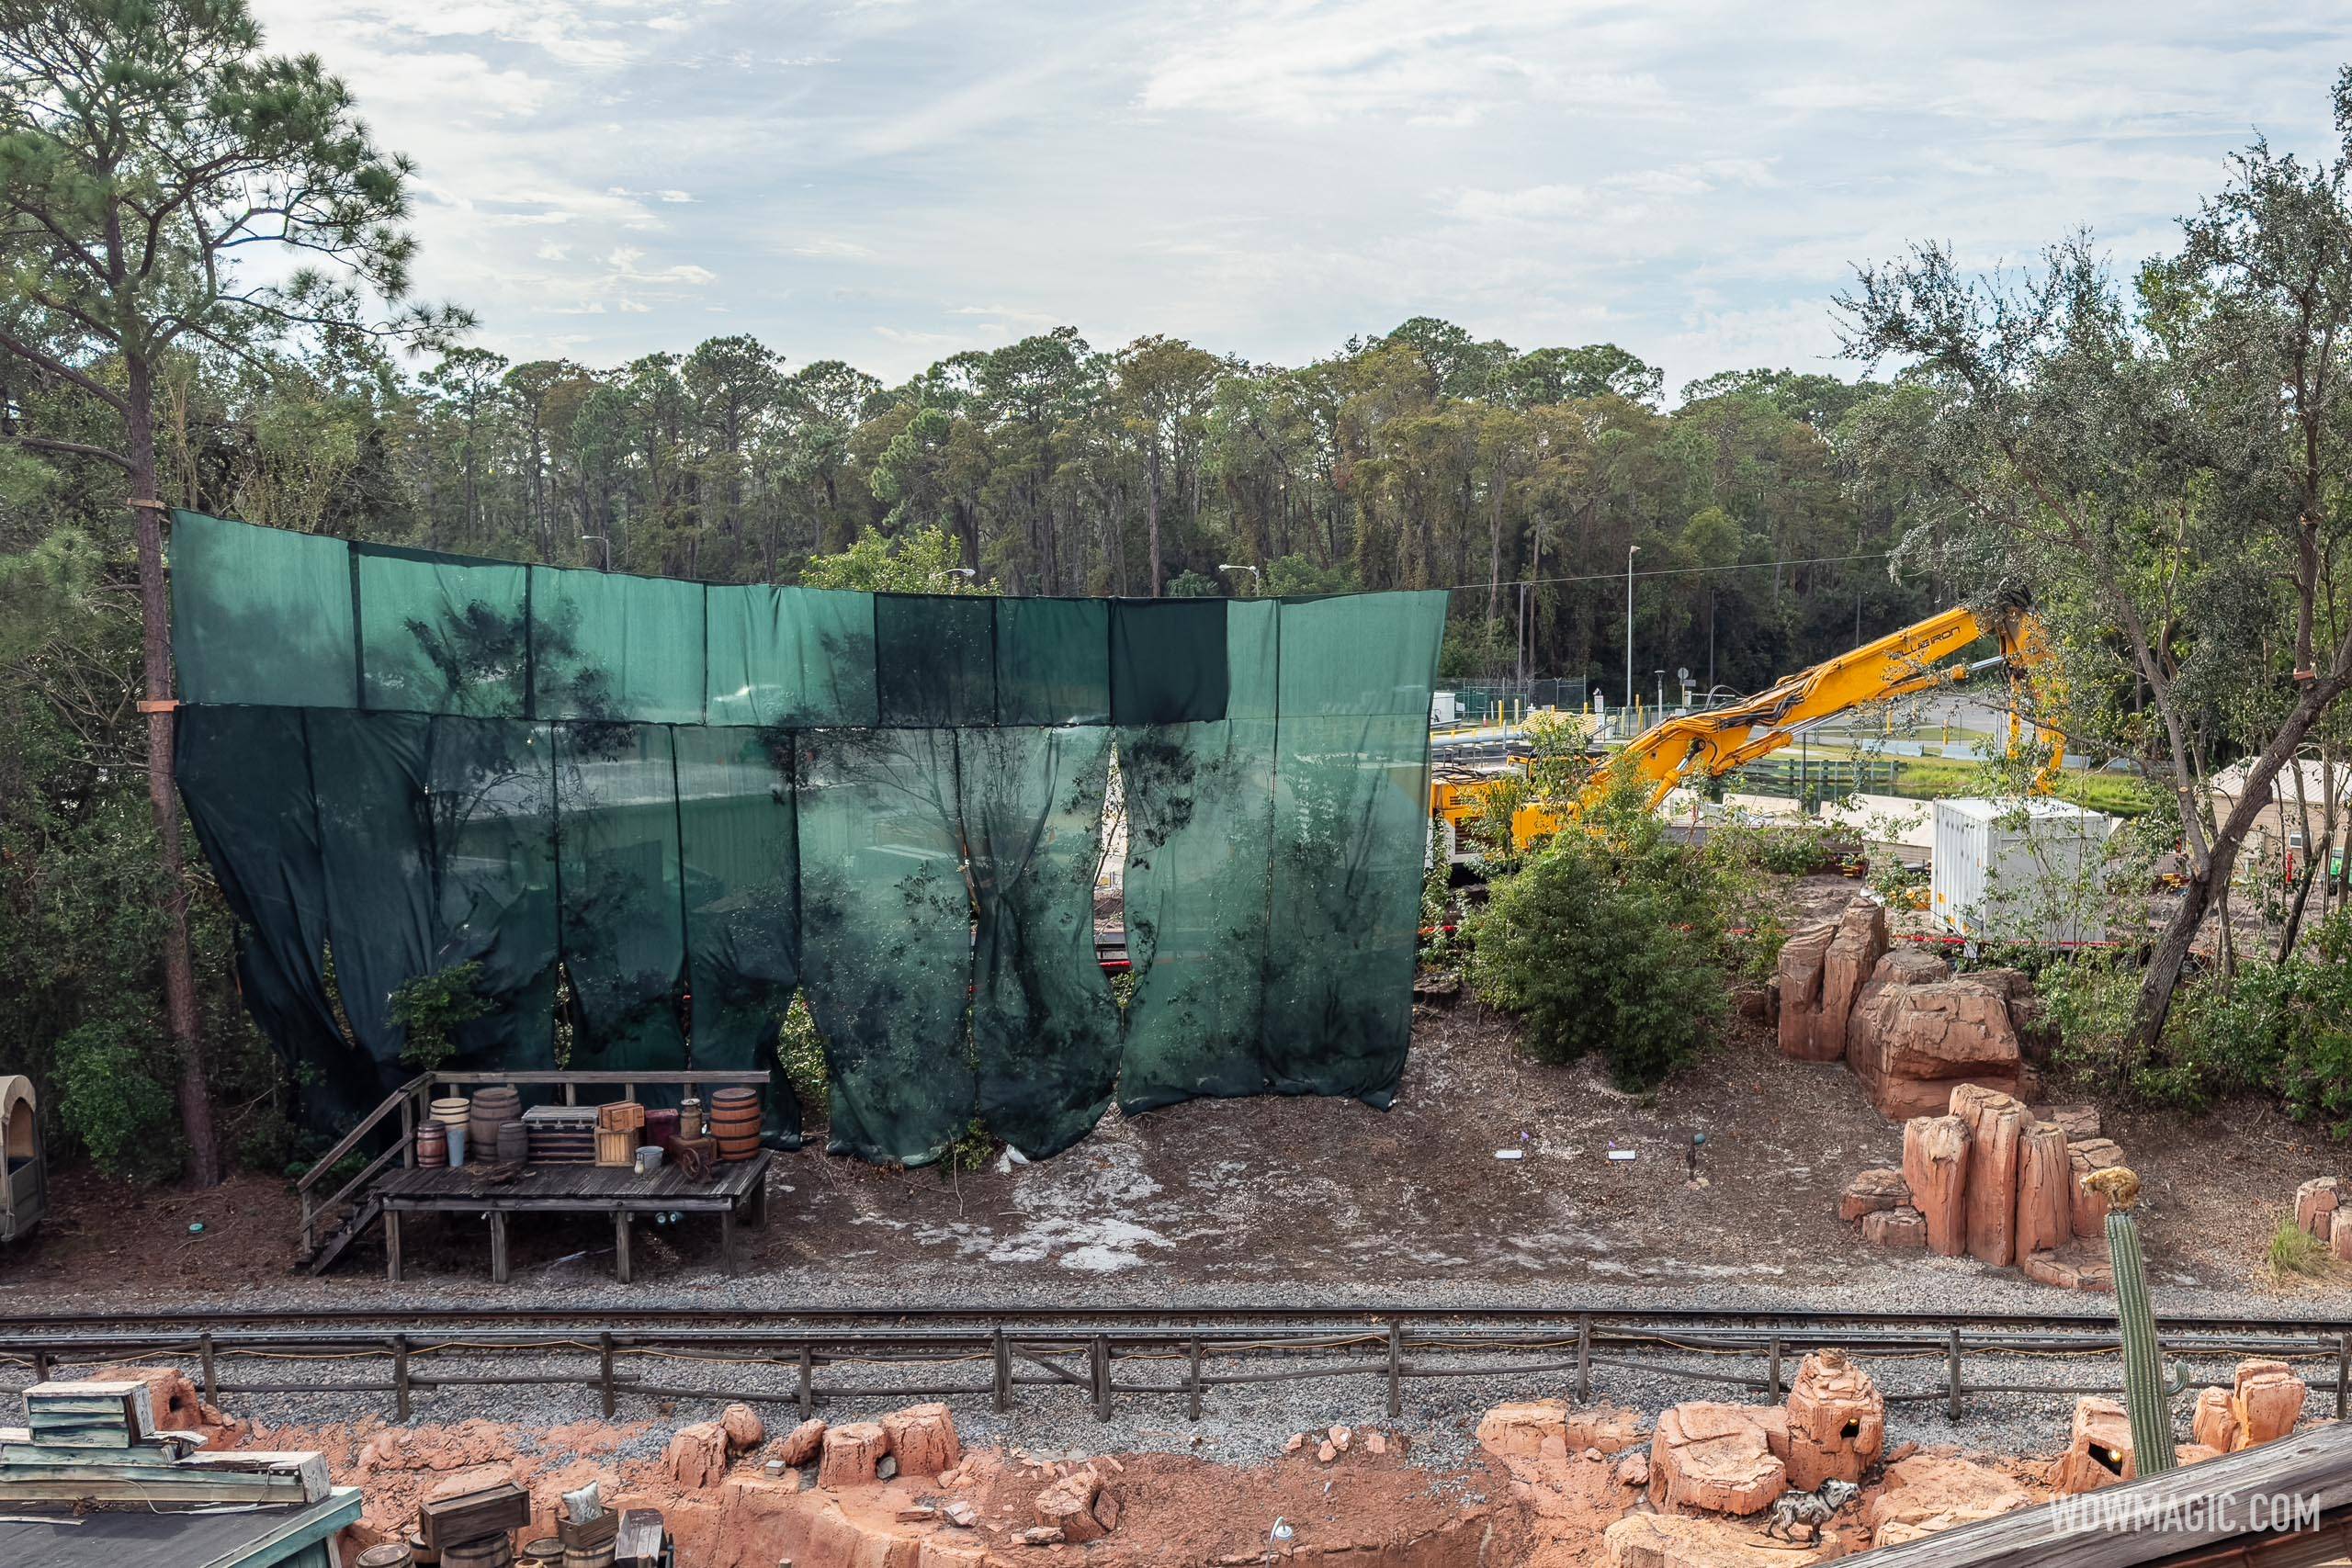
{"points": [[889, 181]]}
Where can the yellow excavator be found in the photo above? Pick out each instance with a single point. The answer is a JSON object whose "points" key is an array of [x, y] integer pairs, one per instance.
{"points": [[1717, 740]]}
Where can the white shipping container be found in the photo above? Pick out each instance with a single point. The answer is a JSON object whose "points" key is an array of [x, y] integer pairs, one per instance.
{"points": [[1443, 707], [2018, 870]]}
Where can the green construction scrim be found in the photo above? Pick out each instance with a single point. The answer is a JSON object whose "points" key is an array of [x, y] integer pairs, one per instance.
{"points": [[250, 800], [1053, 661], [623, 900], [1199, 818], [610, 646], [935, 658], [1045, 1033], [800, 658], [260, 616], [490, 786], [442, 633], [742, 860], [368, 777], [886, 922], [1168, 660], [1351, 834]]}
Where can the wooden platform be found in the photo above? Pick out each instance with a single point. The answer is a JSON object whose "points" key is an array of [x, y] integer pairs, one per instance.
{"points": [[739, 1185]]}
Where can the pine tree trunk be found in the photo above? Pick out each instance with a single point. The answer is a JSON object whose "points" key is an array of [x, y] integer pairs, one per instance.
{"points": [[1155, 514], [155, 646]]}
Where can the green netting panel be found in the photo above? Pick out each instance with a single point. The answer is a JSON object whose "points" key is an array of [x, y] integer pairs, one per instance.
{"points": [[1045, 1033], [935, 658], [367, 776], [261, 616], [1199, 823], [798, 656], [623, 900], [1053, 661], [741, 860], [442, 633], [1350, 833], [490, 795], [885, 925], [247, 785], [616, 648], [1168, 660]]}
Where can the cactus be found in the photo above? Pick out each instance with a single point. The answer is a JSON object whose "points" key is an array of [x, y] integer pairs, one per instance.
{"points": [[2147, 1393]]}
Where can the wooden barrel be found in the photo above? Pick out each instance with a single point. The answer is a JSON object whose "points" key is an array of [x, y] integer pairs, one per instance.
{"points": [[491, 1108], [735, 1122], [547, 1548], [514, 1143], [457, 1108], [390, 1555], [432, 1145], [489, 1552], [588, 1556], [421, 1554]]}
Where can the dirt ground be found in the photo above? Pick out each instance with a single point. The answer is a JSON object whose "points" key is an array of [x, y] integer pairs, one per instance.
{"points": [[1311, 1196]]}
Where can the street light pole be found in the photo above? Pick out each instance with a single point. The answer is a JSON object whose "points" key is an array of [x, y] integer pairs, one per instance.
{"points": [[605, 541], [1255, 577], [1630, 551]]}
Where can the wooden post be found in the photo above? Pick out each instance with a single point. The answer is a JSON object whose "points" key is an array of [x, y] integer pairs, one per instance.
{"points": [[40, 1366], [392, 1245], [310, 1224], [399, 1376], [1396, 1369], [1194, 1380], [498, 1247], [1584, 1357], [620, 1244], [604, 1372], [807, 1384], [1773, 1374], [1099, 1357], [727, 1240], [408, 1133], [1000, 1392], [1951, 1373], [2343, 1375], [204, 1353]]}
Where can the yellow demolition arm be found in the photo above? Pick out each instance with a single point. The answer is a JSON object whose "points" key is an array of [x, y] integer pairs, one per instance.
{"points": [[1714, 743]]}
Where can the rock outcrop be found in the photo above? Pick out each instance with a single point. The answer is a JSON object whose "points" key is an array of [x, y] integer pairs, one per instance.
{"points": [[801, 1444], [1900, 1229], [1871, 1191], [1996, 1125], [922, 1439], [851, 1454], [1071, 1504], [1935, 1169], [1836, 1421], [2316, 1202], [2263, 1403], [2087, 1158], [1726, 1459], [2098, 1453], [2045, 1179], [2079, 1264], [1676, 1540], [1527, 1428], [1799, 976], [1925, 1494], [697, 1455]]}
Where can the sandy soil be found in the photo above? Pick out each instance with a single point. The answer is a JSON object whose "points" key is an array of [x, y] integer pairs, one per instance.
{"points": [[1193, 1199]]}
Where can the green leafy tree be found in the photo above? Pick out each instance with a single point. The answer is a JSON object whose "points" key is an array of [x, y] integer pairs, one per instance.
{"points": [[146, 147], [920, 562]]}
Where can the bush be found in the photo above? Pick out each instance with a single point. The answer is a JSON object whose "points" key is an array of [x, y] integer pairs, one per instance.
{"points": [[800, 1051], [1612, 941], [2294, 1251], [430, 1007], [115, 1100]]}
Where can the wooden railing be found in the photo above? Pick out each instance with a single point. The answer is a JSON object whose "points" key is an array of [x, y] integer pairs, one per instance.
{"points": [[412, 1101]]}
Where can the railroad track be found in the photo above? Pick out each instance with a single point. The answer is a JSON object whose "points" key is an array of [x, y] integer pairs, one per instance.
{"points": [[824, 1355]]}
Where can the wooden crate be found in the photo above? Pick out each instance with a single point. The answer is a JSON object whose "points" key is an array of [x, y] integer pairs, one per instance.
{"points": [[90, 1415], [493, 1510], [620, 1116], [617, 1145]]}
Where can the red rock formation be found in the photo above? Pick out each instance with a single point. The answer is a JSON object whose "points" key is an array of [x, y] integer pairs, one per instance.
{"points": [[1871, 1190], [2045, 1190], [2087, 1156], [1674, 1540], [2339, 1234], [1521, 1430], [2079, 1264], [697, 1455], [1836, 1421], [1925, 1494], [850, 1454], [801, 1444], [1726, 1459], [1935, 1166], [1069, 1506], [922, 1439], [1996, 1123], [1904, 1229], [2263, 1403], [742, 1426], [1855, 948], [2099, 1453], [1803, 956], [2315, 1205]]}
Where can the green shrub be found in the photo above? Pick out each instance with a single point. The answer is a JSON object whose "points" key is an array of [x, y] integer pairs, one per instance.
{"points": [[431, 1007], [1612, 941], [2294, 1251], [114, 1098], [800, 1051]]}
